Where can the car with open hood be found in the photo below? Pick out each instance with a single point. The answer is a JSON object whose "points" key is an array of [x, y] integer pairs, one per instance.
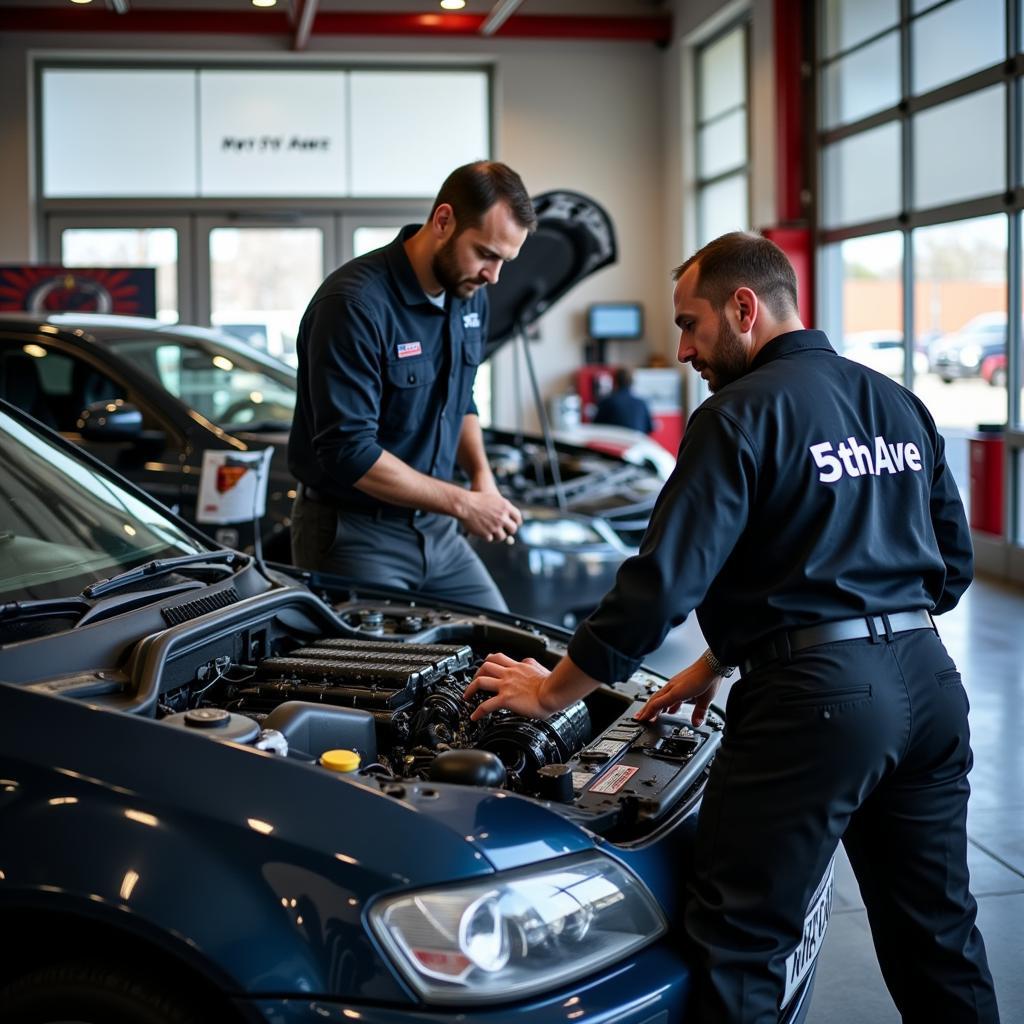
{"points": [[150, 398], [243, 793]]}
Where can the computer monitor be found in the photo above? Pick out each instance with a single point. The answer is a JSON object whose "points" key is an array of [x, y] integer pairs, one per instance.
{"points": [[615, 321]]}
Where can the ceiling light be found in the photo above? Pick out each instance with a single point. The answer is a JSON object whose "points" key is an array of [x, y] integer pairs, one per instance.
{"points": [[453, 5], [264, 3], [81, 1]]}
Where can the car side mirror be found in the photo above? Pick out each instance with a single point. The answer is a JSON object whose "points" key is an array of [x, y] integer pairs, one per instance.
{"points": [[112, 420]]}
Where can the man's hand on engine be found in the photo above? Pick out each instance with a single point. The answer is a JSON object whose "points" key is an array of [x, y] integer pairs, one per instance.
{"points": [[516, 685]]}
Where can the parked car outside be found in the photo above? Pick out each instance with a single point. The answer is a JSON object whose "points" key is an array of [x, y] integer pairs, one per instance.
{"points": [[993, 370], [962, 353], [883, 350], [240, 794]]}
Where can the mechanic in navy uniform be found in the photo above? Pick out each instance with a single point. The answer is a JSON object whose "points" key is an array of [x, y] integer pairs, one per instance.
{"points": [[388, 350], [814, 525], [622, 408]]}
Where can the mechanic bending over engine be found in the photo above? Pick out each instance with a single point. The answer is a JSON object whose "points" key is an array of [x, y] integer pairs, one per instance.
{"points": [[813, 524], [388, 351]]}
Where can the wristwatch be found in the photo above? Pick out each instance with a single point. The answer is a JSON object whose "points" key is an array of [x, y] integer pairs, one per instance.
{"points": [[716, 666]]}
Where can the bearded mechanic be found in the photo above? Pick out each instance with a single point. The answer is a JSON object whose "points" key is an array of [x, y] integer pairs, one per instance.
{"points": [[388, 350], [814, 525]]}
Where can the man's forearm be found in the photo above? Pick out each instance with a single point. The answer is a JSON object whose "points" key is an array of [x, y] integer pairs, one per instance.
{"points": [[394, 481], [566, 684], [471, 454]]}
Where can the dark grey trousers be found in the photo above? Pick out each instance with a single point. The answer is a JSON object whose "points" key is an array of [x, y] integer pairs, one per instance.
{"points": [[861, 742], [424, 552]]}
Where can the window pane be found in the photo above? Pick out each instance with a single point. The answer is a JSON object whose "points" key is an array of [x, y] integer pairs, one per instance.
{"points": [[396, 114], [848, 22], [956, 40], [861, 177], [723, 144], [960, 319], [723, 75], [722, 207], [862, 302], [261, 282], [366, 239], [863, 83], [119, 132], [946, 165], [129, 247]]}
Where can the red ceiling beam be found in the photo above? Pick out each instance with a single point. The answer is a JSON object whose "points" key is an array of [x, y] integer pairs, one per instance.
{"points": [[655, 29]]}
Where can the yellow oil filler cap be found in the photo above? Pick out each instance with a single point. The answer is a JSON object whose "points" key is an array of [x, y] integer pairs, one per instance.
{"points": [[340, 760]]}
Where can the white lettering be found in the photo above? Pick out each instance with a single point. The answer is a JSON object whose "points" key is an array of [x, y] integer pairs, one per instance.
{"points": [[882, 460], [826, 462], [855, 458], [862, 453]]}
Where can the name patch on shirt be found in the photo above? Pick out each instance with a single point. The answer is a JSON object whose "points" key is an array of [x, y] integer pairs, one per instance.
{"points": [[409, 348], [470, 320], [854, 458]]}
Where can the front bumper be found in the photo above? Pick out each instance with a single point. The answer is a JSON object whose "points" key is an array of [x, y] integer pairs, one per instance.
{"points": [[649, 988]]}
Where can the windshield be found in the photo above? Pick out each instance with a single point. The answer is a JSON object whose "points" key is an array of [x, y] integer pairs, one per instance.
{"points": [[64, 525], [216, 380]]}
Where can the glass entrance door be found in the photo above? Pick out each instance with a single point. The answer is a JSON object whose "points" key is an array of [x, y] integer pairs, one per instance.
{"points": [[257, 278]]}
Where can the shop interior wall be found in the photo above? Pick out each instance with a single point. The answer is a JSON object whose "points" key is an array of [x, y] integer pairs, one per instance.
{"points": [[581, 115]]}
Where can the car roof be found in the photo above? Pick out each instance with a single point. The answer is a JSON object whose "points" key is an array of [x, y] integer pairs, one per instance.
{"points": [[104, 328]]}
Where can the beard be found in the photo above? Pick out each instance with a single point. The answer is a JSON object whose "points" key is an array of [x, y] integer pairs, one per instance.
{"points": [[728, 361], [445, 268]]}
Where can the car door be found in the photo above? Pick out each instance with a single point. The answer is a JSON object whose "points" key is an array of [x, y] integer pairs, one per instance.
{"points": [[55, 382]]}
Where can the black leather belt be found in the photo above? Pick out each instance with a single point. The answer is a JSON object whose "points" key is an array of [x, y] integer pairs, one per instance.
{"points": [[381, 512], [879, 628]]}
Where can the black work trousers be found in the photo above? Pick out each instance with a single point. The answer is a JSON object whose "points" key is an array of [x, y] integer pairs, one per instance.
{"points": [[864, 742]]}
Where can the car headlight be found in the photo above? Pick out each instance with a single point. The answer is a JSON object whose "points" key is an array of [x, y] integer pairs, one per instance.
{"points": [[970, 355], [558, 533], [518, 932]]}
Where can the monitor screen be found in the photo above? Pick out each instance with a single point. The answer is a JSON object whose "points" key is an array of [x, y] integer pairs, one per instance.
{"points": [[619, 321]]}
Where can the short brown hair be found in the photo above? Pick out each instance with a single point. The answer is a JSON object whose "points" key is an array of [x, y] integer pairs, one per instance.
{"points": [[742, 259], [472, 189]]}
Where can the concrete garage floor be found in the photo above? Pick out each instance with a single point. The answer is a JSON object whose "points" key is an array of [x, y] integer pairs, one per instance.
{"points": [[985, 636]]}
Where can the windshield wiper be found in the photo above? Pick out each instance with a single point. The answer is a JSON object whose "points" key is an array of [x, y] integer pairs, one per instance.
{"points": [[160, 567], [44, 608]]}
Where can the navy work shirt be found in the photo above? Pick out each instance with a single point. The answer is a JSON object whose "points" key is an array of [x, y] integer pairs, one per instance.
{"points": [[810, 490], [624, 409], [382, 368]]}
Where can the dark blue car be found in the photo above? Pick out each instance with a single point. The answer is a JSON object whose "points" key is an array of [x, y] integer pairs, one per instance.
{"points": [[230, 793]]}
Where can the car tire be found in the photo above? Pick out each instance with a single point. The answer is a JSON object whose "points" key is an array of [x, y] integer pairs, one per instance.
{"points": [[90, 994], [947, 380], [998, 378]]}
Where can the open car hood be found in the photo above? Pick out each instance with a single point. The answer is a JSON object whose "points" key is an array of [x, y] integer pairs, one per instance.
{"points": [[574, 238]]}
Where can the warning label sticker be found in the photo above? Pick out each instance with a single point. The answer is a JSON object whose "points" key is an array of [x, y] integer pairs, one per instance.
{"points": [[580, 780], [614, 779], [609, 747]]}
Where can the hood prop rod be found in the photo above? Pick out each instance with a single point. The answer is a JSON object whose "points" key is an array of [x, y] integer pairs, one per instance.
{"points": [[545, 426]]}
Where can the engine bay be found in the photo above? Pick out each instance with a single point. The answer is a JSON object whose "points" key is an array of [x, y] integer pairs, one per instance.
{"points": [[296, 677]]}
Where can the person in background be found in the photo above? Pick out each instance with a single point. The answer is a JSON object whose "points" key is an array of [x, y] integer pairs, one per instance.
{"points": [[387, 353], [622, 408]]}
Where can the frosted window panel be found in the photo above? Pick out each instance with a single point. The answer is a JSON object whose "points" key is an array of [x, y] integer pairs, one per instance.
{"points": [[411, 129], [723, 144], [272, 133], [366, 239], [948, 167], [848, 22], [863, 83], [861, 177], [723, 207], [956, 40], [723, 75], [119, 133]]}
